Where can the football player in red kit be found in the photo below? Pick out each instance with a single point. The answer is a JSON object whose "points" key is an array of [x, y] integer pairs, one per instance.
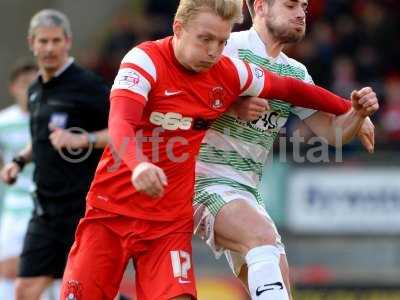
{"points": [[140, 203]]}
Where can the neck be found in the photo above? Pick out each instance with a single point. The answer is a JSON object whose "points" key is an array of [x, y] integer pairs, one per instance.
{"points": [[178, 55], [48, 74], [23, 105], [273, 46]]}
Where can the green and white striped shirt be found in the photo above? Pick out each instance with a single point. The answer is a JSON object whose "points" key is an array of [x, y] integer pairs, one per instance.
{"points": [[14, 136], [237, 150]]}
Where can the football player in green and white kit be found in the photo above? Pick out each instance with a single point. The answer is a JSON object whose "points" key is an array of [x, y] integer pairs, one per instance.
{"points": [[16, 201], [229, 213]]}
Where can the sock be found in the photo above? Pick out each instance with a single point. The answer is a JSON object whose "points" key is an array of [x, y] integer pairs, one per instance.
{"points": [[7, 289], [264, 275], [52, 292]]}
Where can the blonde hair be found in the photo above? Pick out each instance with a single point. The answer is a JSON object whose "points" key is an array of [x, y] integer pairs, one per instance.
{"points": [[229, 10]]}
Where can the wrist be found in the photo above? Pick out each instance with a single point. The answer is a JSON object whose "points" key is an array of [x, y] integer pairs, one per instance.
{"points": [[91, 139], [87, 140], [20, 161], [359, 114]]}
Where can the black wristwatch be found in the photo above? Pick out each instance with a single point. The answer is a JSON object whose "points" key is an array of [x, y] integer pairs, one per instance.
{"points": [[20, 161]]}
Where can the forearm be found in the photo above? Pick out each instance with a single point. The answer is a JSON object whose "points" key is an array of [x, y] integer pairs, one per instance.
{"points": [[125, 115], [100, 138], [348, 125], [335, 130], [26, 153]]}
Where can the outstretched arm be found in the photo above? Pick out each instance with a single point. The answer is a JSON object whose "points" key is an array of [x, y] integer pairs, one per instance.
{"points": [[255, 81], [303, 94]]}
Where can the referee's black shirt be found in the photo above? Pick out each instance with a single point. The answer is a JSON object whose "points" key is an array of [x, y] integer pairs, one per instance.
{"points": [[75, 98]]}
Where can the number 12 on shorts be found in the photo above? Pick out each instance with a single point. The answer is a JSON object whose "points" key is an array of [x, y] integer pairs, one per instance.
{"points": [[181, 265]]}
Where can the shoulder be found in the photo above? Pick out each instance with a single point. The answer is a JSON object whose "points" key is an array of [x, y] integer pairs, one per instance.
{"points": [[236, 41], [88, 76], [146, 56], [297, 65], [9, 114]]}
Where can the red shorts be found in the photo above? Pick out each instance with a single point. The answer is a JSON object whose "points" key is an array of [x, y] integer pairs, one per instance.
{"points": [[104, 243]]}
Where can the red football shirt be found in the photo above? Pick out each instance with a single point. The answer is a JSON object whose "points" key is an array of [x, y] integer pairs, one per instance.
{"points": [[177, 105]]}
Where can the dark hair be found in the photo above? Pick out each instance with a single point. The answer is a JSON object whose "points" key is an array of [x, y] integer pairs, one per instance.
{"points": [[250, 5], [22, 67]]}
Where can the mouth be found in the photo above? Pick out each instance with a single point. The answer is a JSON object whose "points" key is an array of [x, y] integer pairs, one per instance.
{"points": [[49, 58], [206, 64], [299, 24]]}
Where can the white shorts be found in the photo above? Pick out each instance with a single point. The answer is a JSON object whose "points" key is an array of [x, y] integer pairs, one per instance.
{"points": [[209, 201], [12, 233]]}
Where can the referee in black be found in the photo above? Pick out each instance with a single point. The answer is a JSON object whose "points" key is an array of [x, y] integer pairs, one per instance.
{"points": [[69, 111]]}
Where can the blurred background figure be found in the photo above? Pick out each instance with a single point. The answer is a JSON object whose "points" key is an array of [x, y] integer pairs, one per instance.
{"points": [[16, 200], [61, 97]]}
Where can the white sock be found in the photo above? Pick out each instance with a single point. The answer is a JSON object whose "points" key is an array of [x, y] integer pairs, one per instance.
{"points": [[53, 291], [264, 274], [7, 289]]}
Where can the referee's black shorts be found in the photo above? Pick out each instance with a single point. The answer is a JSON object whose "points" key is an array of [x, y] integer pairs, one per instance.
{"points": [[50, 235]]}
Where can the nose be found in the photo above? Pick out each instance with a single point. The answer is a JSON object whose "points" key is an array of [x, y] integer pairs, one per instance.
{"points": [[49, 46], [301, 14], [213, 50]]}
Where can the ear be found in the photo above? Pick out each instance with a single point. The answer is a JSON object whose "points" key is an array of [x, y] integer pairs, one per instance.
{"points": [[69, 43], [29, 39], [259, 7], [12, 88], [177, 28]]}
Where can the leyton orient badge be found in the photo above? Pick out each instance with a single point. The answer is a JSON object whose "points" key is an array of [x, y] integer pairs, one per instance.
{"points": [[217, 95]]}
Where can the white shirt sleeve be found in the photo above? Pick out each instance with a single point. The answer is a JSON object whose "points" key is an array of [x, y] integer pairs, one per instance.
{"points": [[136, 73]]}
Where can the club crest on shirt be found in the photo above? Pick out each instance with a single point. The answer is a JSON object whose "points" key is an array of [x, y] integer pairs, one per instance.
{"points": [[217, 95], [59, 120], [73, 290]]}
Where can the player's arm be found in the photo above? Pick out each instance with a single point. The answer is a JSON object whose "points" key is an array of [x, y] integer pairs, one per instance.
{"points": [[128, 98], [338, 130], [10, 171], [255, 81]]}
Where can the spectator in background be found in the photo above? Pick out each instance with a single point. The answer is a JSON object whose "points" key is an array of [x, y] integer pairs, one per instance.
{"points": [[344, 76], [391, 113], [16, 201], [63, 96]]}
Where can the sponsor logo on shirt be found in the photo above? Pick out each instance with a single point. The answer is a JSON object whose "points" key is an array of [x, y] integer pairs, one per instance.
{"points": [[169, 93], [33, 97], [171, 120], [127, 78], [259, 72]]}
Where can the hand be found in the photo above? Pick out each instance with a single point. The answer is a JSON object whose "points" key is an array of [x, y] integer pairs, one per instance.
{"points": [[61, 138], [9, 173], [149, 179], [364, 101], [366, 134], [250, 108]]}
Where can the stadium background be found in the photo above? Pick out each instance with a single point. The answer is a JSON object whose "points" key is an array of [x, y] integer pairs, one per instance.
{"points": [[340, 220]]}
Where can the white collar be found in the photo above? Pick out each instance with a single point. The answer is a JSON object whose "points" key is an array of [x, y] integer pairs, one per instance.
{"points": [[261, 48]]}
